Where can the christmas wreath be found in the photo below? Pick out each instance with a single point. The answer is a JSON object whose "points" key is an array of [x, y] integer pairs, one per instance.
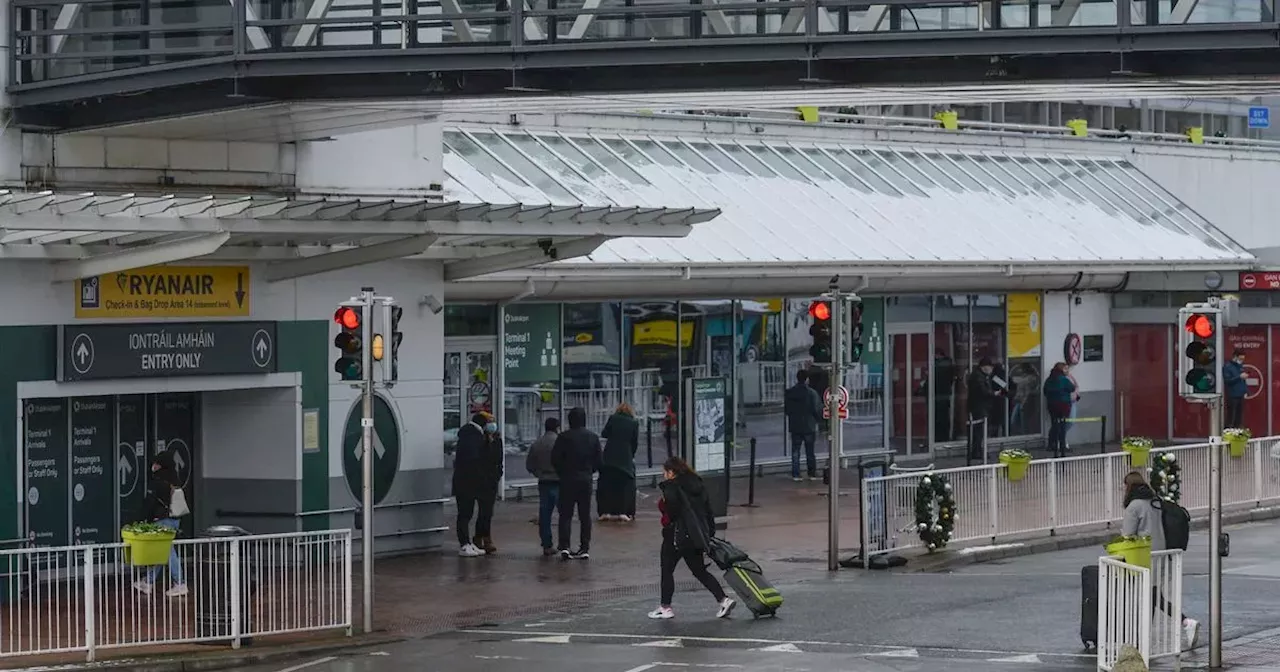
{"points": [[1166, 477], [935, 491]]}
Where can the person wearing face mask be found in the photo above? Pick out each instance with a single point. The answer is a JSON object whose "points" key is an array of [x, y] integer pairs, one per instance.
{"points": [[491, 474], [982, 399], [473, 482]]}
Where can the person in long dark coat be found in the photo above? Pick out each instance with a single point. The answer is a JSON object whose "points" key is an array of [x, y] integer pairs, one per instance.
{"points": [[616, 492]]}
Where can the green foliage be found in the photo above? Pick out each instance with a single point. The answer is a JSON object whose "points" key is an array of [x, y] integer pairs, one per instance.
{"points": [[149, 530], [934, 490]]}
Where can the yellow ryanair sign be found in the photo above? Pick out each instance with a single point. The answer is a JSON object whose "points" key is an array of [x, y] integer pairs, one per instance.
{"points": [[166, 291]]}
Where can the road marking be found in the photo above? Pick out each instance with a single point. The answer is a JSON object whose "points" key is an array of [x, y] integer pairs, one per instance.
{"points": [[501, 658], [768, 642], [1029, 658], [548, 639], [642, 668], [787, 647], [313, 663], [663, 644], [899, 653], [379, 653]]}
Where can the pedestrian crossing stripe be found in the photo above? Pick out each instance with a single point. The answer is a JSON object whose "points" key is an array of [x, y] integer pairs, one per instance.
{"points": [[663, 644], [549, 639], [787, 647], [898, 653]]}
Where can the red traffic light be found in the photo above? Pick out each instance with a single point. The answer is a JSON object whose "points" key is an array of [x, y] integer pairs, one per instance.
{"points": [[347, 318], [820, 310], [1200, 326]]}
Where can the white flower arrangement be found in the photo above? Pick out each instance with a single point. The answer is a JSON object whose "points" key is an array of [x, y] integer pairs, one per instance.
{"points": [[1011, 454], [1237, 434], [1138, 442]]}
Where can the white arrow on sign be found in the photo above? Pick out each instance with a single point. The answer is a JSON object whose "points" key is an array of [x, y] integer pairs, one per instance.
{"points": [[125, 468], [82, 353], [378, 448], [177, 461], [262, 348]]}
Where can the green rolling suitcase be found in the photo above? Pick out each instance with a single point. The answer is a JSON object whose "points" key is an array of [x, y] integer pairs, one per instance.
{"points": [[755, 591]]}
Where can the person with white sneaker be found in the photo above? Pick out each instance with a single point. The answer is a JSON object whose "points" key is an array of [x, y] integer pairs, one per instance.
{"points": [[160, 509], [687, 526], [469, 481], [1143, 519]]}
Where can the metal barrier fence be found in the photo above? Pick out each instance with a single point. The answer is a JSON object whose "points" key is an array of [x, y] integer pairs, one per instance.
{"points": [[1140, 607], [86, 598], [1058, 494]]}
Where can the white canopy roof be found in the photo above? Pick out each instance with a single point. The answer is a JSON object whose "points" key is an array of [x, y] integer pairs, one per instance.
{"points": [[855, 207]]}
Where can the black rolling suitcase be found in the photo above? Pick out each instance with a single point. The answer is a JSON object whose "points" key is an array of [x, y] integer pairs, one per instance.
{"points": [[1089, 606]]}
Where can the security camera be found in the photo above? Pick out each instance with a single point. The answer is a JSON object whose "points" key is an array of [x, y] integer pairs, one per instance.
{"points": [[432, 304], [548, 247]]}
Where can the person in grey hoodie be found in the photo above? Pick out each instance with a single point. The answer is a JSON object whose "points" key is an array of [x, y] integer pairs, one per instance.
{"points": [[1142, 518], [538, 464], [804, 410]]}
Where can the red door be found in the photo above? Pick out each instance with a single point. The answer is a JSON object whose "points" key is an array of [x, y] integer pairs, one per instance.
{"points": [[1143, 377], [909, 369], [1252, 341]]}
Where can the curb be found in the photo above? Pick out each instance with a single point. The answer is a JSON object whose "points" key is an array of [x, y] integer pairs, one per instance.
{"points": [[228, 658], [940, 563]]}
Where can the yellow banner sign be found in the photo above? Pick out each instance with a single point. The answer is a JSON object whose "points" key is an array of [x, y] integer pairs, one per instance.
{"points": [[1026, 315], [166, 291]]}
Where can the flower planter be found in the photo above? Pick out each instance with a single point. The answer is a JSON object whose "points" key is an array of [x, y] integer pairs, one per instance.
{"points": [[1015, 467], [147, 550], [1138, 455], [1237, 446], [1132, 551]]}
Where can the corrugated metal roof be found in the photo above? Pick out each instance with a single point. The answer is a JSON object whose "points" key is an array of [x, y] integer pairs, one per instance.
{"points": [[798, 202]]}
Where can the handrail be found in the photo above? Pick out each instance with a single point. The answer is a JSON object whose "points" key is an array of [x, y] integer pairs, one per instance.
{"points": [[965, 126]]}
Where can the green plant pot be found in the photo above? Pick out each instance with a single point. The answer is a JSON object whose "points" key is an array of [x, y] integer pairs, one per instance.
{"points": [[1138, 456], [1016, 468], [147, 550], [1237, 447], [1132, 552]]}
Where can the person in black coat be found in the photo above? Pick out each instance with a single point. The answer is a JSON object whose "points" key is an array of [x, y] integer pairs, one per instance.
{"points": [[687, 527], [576, 458], [157, 508], [477, 469], [616, 491], [982, 400]]}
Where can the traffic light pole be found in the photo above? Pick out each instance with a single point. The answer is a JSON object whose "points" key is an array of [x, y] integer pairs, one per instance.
{"points": [[1215, 533], [838, 337], [366, 459]]}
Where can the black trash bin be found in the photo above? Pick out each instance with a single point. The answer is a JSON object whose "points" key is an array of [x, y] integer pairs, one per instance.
{"points": [[213, 585]]}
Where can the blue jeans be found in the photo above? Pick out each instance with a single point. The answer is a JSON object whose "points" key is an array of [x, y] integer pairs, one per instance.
{"points": [[175, 565], [548, 501], [811, 460]]}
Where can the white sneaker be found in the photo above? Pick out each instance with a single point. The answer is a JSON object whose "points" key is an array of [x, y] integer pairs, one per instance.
{"points": [[726, 607], [179, 590], [662, 613], [142, 587], [1190, 633], [797, 479], [470, 551]]}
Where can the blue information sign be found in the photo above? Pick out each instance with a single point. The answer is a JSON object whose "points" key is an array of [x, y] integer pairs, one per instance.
{"points": [[1259, 117]]}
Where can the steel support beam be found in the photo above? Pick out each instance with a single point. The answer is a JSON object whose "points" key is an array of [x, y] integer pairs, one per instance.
{"points": [[150, 255], [334, 261], [506, 261]]}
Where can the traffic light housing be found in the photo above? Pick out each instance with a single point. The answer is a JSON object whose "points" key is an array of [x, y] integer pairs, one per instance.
{"points": [[389, 338], [1200, 343], [820, 351], [854, 314], [350, 342]]}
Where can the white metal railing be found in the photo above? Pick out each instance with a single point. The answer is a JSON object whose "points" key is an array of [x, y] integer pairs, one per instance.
{"points": [[86, 598], [1124, 611], [1140, 607], [1060, 494]]}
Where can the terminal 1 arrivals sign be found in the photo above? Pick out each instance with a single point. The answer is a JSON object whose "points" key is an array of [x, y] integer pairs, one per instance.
{"points": [[107, 351], [182, 292]]}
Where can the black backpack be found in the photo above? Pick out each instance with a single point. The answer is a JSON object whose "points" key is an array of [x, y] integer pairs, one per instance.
{"points": [[1176, 522]]}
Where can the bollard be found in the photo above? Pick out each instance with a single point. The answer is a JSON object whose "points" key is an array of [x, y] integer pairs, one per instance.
{"points": [[751, 478], [648, 431], [1102, 440]]}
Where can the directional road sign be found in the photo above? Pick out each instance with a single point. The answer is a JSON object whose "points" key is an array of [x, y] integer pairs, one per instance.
{"points": [[386, 449]]}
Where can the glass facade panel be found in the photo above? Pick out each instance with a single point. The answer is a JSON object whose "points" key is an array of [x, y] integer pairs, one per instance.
{"points": [[775, 162], [520, 163], [563, 173], [873, 170], [926, 164], [651, 377], [762, 378], [470, 319], [531, 348], [953, 368], [747, 159], [607, 159], [592, 360]]}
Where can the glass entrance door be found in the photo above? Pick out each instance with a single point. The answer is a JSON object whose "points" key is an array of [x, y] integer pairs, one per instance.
{"points": [[909, 413], [469, 382]]}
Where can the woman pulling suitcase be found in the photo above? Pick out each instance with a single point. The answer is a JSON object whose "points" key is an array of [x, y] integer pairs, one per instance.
{"points": [[687, 524]]}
